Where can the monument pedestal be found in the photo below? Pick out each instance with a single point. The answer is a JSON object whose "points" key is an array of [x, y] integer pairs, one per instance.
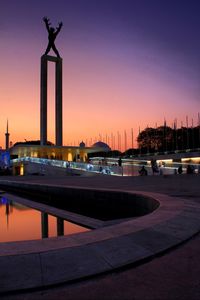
{"points": [[58, 99]]}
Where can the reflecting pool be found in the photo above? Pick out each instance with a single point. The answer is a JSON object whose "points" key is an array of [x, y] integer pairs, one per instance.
{"points": [[19, 222]]}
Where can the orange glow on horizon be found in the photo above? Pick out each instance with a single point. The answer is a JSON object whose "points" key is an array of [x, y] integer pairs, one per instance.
{"points": [[101, 96]]}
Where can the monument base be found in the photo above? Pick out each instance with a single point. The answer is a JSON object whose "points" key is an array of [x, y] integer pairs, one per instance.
{"points": [[58, 99]]}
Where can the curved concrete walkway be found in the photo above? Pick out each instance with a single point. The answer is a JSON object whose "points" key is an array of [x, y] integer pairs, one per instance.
{"points": [[46, 262]]}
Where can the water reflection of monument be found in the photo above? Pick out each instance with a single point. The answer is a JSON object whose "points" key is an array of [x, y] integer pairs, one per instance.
{"points": [[45, 225], [9, 209]]}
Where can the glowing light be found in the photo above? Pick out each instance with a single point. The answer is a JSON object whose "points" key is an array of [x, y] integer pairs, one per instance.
{"points": [[21, 172]]}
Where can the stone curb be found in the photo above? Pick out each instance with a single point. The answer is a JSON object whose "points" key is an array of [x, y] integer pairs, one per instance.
{"points": [[34, 264]]}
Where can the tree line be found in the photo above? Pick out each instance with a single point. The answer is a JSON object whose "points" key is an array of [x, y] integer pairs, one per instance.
{"points": [[166, 139]]}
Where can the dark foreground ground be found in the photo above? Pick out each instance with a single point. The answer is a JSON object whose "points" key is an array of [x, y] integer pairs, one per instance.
{"points": [[175, 275]]}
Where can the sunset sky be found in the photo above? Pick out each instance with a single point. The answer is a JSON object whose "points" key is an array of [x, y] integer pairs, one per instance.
{"points": [[126, 63]]}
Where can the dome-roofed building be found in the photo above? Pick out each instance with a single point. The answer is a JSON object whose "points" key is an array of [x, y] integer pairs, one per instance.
{"points": [[82, 145], [102, 145], [26, 150]]}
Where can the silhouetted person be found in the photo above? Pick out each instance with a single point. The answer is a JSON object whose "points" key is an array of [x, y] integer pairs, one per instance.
{"points": [[190, 169], [120, 162], [180, 170], [143, 171], [154, 166], [52, 36]]}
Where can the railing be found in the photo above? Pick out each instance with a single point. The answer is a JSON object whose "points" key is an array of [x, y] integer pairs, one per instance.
{"points": [[128, 168], [109, 170]]}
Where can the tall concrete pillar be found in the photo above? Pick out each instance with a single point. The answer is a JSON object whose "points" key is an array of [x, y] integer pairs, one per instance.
{"points": [[58, 99], [43, 100], [58, 103]]}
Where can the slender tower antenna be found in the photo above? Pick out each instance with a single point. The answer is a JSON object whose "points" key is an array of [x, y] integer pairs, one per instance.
{"points": [[7, 134]]}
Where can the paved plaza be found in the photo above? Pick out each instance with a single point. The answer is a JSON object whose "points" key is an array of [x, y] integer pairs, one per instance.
{"points": [[172, 274]]}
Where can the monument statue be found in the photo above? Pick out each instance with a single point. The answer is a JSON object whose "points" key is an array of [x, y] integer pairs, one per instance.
{"points": [[52, 36]]}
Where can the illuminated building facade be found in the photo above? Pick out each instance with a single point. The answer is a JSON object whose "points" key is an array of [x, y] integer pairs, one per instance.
{"points": [[67, 153]]}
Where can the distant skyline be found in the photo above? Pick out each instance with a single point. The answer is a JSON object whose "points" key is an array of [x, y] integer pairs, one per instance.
{"points": [[127, 64]]}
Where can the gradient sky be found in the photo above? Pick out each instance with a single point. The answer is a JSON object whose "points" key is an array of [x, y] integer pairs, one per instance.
{"points": [[127, 63]]}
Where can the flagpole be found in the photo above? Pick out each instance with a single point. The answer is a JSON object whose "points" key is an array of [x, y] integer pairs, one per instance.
{"points": [[187, 132], [139, 143], [118, 140], [132, 137], [199, 128], [192, 135], [125, 141], [182, 134]]}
